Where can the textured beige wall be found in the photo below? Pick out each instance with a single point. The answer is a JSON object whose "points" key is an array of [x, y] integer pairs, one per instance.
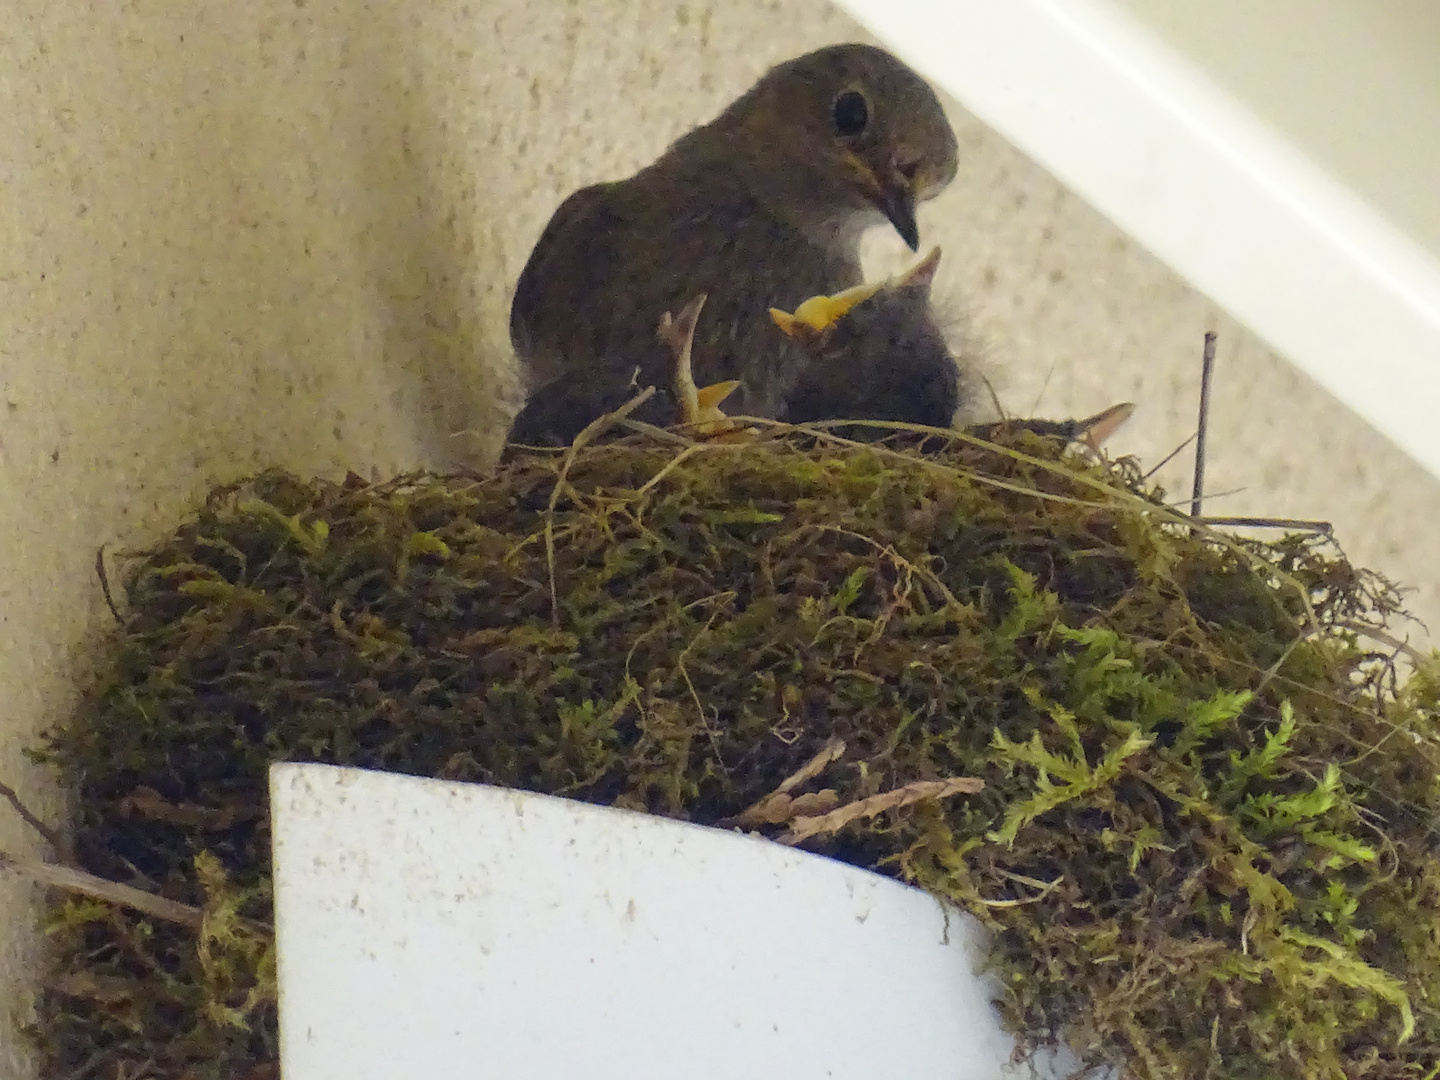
{"points": [[284, 231]]}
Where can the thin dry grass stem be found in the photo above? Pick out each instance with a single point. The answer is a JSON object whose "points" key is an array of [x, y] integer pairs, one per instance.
{"points": [[1273, 671], [659, 434], [822, 431], [105, 585], [1119, 494], [1223, 494], [50, 836], [1040, 394], [669, 467], [78, 881], [995, 398], [896, 559], [591, 432], [1322, 528], [704, 720], [803, 828], [1043, 889], [1171, 456], [1390, 641], [779, 807]]}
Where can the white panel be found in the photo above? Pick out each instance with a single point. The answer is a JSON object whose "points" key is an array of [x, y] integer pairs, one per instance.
{"points": [[1222, 177], [441, 930]]}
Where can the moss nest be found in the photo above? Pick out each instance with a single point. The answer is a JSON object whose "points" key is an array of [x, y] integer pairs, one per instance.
{"points": [[1205, 842]]}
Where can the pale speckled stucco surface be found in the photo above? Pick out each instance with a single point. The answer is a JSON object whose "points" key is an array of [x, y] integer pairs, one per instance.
{"points": [[284, 231]]}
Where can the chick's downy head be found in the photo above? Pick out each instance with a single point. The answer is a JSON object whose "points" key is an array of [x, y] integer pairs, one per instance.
{"points": [[902, 301], [837, 137], [875, 353]]}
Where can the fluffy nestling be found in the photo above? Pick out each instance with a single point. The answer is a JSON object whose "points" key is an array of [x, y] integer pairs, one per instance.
{"points": [[875, 354]]}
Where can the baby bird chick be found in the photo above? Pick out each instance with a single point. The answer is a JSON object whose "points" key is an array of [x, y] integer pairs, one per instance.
{"points": [[875, 354]]}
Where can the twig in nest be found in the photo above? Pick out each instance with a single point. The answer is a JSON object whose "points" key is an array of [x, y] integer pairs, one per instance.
{"points": [[1207, 368], [51, 837], [779, 807], [831, 751], [105, 584], [1210, 495], [1168, 458], [802, 828], [659, 434], [995, 398], [147, 804], [78, 881], [1390, 641], [671, 465], [588, 434], [1295, 524], [1045, 385], [1045, 888]]}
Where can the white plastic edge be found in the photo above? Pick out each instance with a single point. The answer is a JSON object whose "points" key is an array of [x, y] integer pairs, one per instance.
{"points": [[1144, 136], [448, 931]]}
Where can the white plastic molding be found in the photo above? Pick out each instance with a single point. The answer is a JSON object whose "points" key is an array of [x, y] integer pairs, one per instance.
{"points": [[1285, 161], [442, 930]]}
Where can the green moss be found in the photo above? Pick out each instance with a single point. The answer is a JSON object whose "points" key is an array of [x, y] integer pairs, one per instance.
{"points": [[1205, 846]]}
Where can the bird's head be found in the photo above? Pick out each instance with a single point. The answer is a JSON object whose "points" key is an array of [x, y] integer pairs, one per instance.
{"points": [[844, 132]]}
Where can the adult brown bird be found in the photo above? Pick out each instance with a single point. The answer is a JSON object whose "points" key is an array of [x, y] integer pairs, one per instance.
{"points": [[762, 207]]}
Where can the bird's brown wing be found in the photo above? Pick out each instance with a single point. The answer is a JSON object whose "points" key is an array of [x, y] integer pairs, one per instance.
{"points": [[570, 264], [617, 256]]}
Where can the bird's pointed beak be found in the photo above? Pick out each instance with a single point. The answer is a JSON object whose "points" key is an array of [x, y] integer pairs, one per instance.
{"points": [[893, 193], [896, 200], [710, 397]]}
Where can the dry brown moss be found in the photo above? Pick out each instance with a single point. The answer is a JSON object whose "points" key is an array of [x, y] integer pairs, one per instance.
{"points": [[1205, 843]]}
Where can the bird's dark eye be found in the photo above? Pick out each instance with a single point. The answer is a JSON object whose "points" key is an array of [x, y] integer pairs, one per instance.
{"points": [[851, 112]]}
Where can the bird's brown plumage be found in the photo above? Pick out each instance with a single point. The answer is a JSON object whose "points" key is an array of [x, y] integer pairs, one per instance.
{"points": [[762, 207]]}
